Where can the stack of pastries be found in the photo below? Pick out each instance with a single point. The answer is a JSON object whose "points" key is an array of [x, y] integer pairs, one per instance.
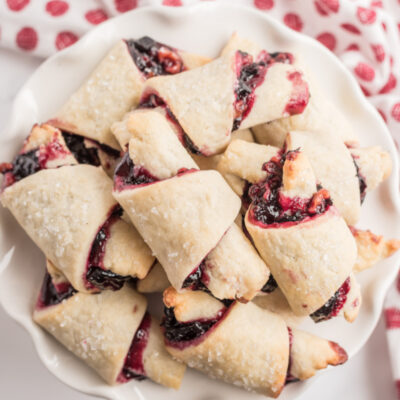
{"points": [[232, 185]]}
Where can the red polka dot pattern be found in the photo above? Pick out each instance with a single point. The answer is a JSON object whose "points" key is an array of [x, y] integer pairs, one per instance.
{"points": [[125, 5], [65, 39], [382, 114], [57, 8], [264, 4], [351, 28], [172, 3], [96, 17], [17, 5], [396, 112], [328, 40], [379, 52], [293, 21], [353, 47], [366, 15], [27, 38], [392, 316], [326, 7], [364, 72]]}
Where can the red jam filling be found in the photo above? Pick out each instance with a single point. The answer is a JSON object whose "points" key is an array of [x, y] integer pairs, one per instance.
{"points": [[270, 209], [270, 285], [250, 75], [30, 162], [361, 180], [152, 100], [333, 306], [289, 377], [96, 275], [198, 279], [128, 176], [134, 366], [51, 294], [299, 96], [84, 154], [184, 334], [153, 58]]}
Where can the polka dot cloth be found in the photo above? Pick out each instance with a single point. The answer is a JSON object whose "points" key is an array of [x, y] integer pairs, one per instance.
{"points": [[364, 34]]}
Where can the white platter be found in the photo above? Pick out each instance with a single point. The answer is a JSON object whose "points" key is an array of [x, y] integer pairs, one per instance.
{"points": [[203, 28]]}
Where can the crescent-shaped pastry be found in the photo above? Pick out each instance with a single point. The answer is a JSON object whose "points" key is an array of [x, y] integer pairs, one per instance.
{"points": [[372, 248], [110, 331], [216, 339], [44, 148], [185, 215], [299, 246], [319, 114], [73, 218], [235, 90], [374, 165], [155, 281], [114, 87]]}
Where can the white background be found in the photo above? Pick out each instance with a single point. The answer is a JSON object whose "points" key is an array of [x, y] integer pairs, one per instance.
{"points": [[22, 376]]}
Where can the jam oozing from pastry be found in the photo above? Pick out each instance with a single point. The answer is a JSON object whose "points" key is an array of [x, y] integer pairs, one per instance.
{"points": [[87, 154], [185, 334], [270, 285], [333, 306], [96, 276], [127, 175], [153, 58], [299, 96], [29, 162], [134, 364], [289, 377], [270, 208], [251, 74], [198, 279], [151, 100], [361, 180], [51, 294]]}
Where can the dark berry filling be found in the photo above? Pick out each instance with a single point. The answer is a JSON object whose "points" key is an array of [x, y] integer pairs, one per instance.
{"points": [[85, 154], [270, 207], [184, 334], [127, 174], [300, 94], [151, 100], [153, 58], [96, 276], [133, 367], [198, 279], [251, 74], [270, 285], [289, 377], [22, 166], [333, 306], [361, 181], [51, 294]]}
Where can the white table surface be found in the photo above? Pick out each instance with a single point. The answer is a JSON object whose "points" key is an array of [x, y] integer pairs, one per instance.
{"points": [[22, 376]]}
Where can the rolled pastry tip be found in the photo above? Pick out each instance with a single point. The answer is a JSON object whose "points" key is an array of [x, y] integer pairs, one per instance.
{"points": [[114, 87], [373, 164], [73, 218], [372, 248], [158, 185], [275, 301], [155, 281], [242, 344], [234, 91], [298, 232], [211, 162], [44, 148], [110, 331]]}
